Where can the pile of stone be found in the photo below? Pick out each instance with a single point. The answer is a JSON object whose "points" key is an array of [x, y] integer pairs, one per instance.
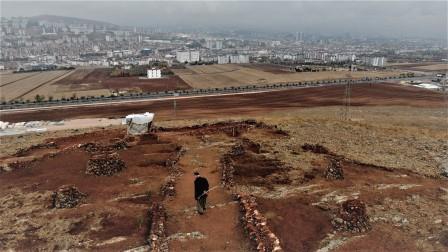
{"points": [[98, 148], [228, 171], [119, 145], [157, 231], [255, 224], [168, 187], [352, 217], [106, 164], [315, 148], [334, 170], [172, 161], [90, 147], [67, 196]]}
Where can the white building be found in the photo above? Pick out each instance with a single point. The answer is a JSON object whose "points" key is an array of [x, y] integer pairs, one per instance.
{"points": [[378, 61], [223, 59], [233, 59], [213, 44], [154, 73], [187, 56], [239, 59]]}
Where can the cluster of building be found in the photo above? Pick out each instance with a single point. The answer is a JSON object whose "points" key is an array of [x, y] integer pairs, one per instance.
{"points": [[52, 41]]}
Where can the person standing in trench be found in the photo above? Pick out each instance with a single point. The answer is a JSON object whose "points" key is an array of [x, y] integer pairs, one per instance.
{"points": [[200, 192]]}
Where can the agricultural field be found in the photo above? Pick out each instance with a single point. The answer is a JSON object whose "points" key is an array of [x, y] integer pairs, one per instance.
{"points": [[79, 82], [374, 183], [423, 67], [22, 86], [210, 76]]}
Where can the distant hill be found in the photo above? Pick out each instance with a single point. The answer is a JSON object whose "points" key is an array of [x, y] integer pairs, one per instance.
{"points": [[70, 20]]}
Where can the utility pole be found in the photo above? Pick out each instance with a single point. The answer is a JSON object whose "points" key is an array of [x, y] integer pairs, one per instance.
{"points": [[174, 104], [347, 101]]}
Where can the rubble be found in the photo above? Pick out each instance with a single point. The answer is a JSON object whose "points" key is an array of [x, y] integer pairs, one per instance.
{"points": [[119, 145], [334, 170], [16, 163], [94, 148], [227, 176], [157, 234], [172, 161], [352, 217], [105, 164], [315, 148], [90, 147], [167, 188], [67, 196], [255, 224]]}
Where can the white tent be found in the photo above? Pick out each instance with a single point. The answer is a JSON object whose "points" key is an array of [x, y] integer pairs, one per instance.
{"points": [[138, 124]]}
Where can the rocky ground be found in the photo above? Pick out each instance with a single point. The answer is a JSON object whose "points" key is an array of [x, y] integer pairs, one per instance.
{"points": [[374, 183]]}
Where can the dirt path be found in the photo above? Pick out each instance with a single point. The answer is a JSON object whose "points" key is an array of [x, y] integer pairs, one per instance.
{"points": [[218, 229]]}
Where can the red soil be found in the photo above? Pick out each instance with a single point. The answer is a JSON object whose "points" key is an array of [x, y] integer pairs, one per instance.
{"points": [[217, 106], [300, 227], [100, 78], [119, 217]]}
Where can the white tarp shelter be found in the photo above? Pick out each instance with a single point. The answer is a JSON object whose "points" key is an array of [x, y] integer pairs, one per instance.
{"points": [[138, 124]]}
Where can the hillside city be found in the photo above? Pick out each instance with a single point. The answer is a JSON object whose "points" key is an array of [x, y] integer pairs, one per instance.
{"points": [[48, 41]]}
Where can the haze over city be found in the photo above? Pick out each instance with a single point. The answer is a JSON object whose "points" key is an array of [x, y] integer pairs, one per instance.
{"points": [[267, 126], [368, 18]]}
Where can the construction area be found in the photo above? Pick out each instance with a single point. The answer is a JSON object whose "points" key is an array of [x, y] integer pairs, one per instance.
{"points": [[288, 174]]}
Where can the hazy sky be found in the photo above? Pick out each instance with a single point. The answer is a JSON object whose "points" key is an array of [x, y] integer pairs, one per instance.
{"points": [[388, 18]]}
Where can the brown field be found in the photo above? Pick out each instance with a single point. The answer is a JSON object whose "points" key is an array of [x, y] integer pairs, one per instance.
{"points": [[390, 156], [270, 68], [436, 67], [90, 79], [81, 82], [209, 76], [8, 78], [423, 67], [248, 104], [27, 83]]}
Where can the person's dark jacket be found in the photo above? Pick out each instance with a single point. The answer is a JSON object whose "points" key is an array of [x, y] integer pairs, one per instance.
{"points": [[200, 186]]}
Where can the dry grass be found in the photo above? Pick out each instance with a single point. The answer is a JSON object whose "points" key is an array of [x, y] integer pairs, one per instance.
{"points": [[435, 67], [398, 137], [21, 89], [236, 75]]}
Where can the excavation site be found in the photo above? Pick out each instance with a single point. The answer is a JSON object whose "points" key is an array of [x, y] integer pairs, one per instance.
{"points": [[274, 186]]}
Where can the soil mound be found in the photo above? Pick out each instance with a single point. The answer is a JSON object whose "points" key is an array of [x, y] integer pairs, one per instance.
{"points": [[352, 217], [67, 196], [105, 164], [334, 170]]}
